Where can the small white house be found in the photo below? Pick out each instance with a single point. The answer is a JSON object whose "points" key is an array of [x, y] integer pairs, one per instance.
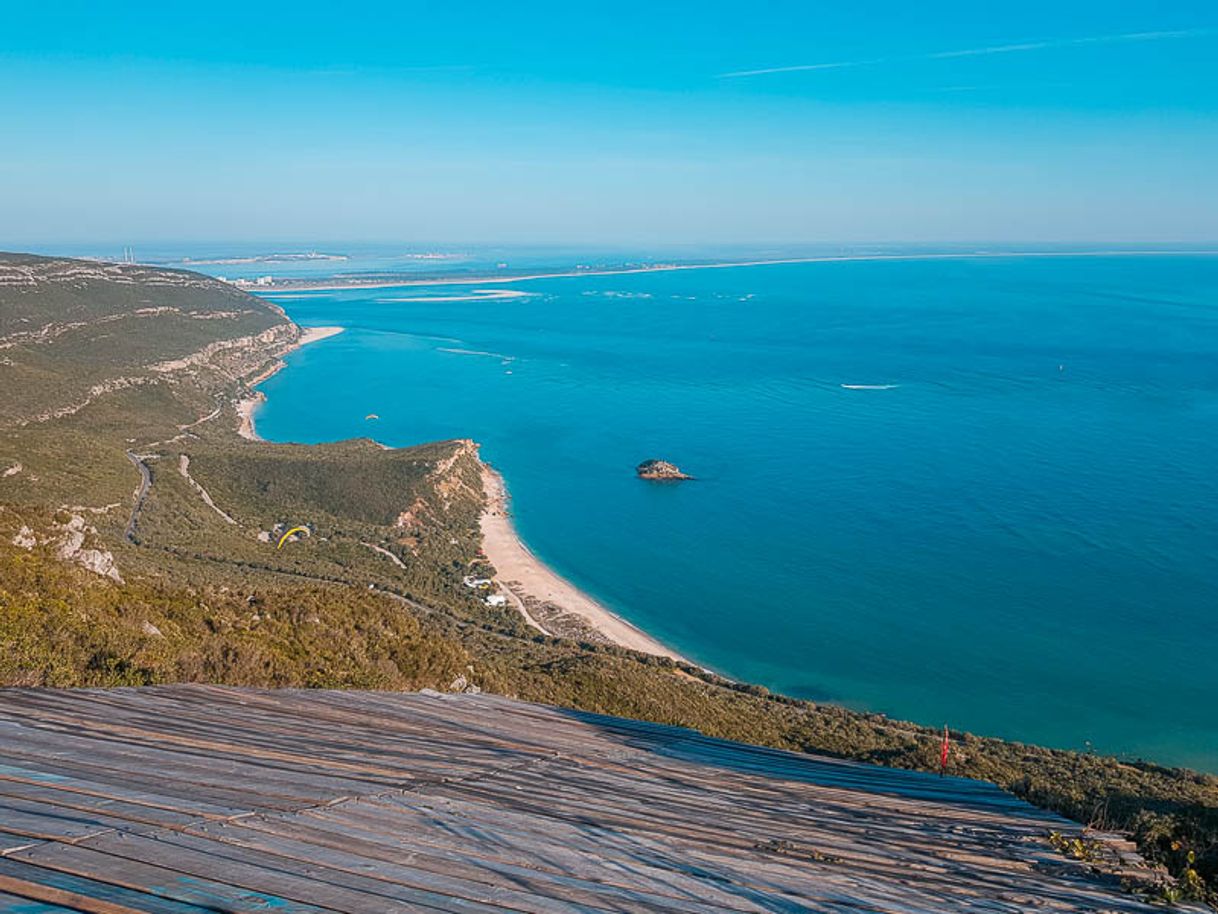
{"points": [[496, 599]]}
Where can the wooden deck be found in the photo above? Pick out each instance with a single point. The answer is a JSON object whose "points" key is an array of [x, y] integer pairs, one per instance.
{"points": [[191, 799]]}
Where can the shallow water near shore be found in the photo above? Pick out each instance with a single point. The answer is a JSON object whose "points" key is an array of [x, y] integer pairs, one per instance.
{"points": [[974, 492]]}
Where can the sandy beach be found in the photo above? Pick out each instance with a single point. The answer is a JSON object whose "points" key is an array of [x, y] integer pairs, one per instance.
{"points": [[527, 575], [247, 406]]}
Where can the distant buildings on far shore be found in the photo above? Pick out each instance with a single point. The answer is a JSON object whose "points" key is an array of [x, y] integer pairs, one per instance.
{"points": [[246, 283]]}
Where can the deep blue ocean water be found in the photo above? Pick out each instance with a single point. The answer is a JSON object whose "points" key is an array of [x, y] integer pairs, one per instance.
{"points": [[1018, 536]]}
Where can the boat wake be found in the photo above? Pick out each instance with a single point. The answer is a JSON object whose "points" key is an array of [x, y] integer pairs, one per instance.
{"points": [[494, 355], [870, 386]]}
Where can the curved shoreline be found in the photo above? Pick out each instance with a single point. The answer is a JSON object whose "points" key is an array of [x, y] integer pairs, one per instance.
{"points": [[247, 405], [520, 573]]}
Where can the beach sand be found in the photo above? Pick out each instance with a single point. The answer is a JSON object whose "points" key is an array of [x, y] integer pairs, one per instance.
{"points": [[247, 406], [529, 576], [313, 334]]}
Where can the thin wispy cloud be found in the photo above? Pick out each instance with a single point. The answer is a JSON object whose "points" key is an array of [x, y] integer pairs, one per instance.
{"points": [[1014, 48]]}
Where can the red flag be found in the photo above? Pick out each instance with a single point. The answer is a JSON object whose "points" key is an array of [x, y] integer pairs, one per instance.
{"points": [[943, 752]]}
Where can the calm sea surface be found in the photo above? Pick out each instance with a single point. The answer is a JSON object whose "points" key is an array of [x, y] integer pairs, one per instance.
{"points": [[1013, 529]]}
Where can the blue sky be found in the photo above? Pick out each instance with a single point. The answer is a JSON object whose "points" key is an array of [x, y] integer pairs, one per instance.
{"points": [[640, 124]]}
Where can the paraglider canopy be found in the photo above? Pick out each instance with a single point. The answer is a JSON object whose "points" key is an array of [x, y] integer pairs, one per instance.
{"points": [[283, 539]]}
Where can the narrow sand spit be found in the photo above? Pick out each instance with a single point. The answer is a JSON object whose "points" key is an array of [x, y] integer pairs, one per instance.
{"points": [[246, 407], [514, 562], [329, 285], [313, 334]]}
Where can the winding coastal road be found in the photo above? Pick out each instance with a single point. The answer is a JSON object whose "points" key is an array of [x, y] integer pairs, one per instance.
{"points": [[140, 495]]}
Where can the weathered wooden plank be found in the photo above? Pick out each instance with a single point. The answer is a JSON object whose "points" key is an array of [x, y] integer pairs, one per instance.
{"points": [[94, 889], [408, 871], [43, 896], [10, 841], [213, 776], [236, 796], [222, 749], [12, 904], [129, 809], [589, 884], [162, 882], [243, 728], [48, 824], [243, 799], [117, 737], [696, 857], [124, 783], [522, 837], [285, 881]]}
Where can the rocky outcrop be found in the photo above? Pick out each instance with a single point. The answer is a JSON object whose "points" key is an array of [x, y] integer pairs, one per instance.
{"points": [[660, 469], [446, 477], [238, 355], [71, 549]]}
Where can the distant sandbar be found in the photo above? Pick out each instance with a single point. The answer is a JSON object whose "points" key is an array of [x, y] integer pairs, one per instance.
{"points": [[338, 284]]}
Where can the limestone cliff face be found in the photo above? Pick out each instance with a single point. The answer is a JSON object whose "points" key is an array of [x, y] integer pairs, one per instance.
{"points": [[660, 469], [455, 477], [76, 335]]}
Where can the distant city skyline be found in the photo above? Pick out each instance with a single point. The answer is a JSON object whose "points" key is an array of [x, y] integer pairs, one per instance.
{"points": [[543, 123]]}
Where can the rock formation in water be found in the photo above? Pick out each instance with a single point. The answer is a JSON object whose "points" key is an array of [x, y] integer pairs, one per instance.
{"points": [[660, 469]]}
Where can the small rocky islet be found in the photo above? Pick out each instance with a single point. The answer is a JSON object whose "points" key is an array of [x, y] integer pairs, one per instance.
{"points": [[661, 470]]}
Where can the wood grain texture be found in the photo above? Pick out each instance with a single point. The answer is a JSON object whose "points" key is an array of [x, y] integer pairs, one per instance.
{"points": [[185, 799]]}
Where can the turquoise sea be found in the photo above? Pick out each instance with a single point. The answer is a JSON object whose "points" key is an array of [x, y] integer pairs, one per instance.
{"points": [[1010, 527]]}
